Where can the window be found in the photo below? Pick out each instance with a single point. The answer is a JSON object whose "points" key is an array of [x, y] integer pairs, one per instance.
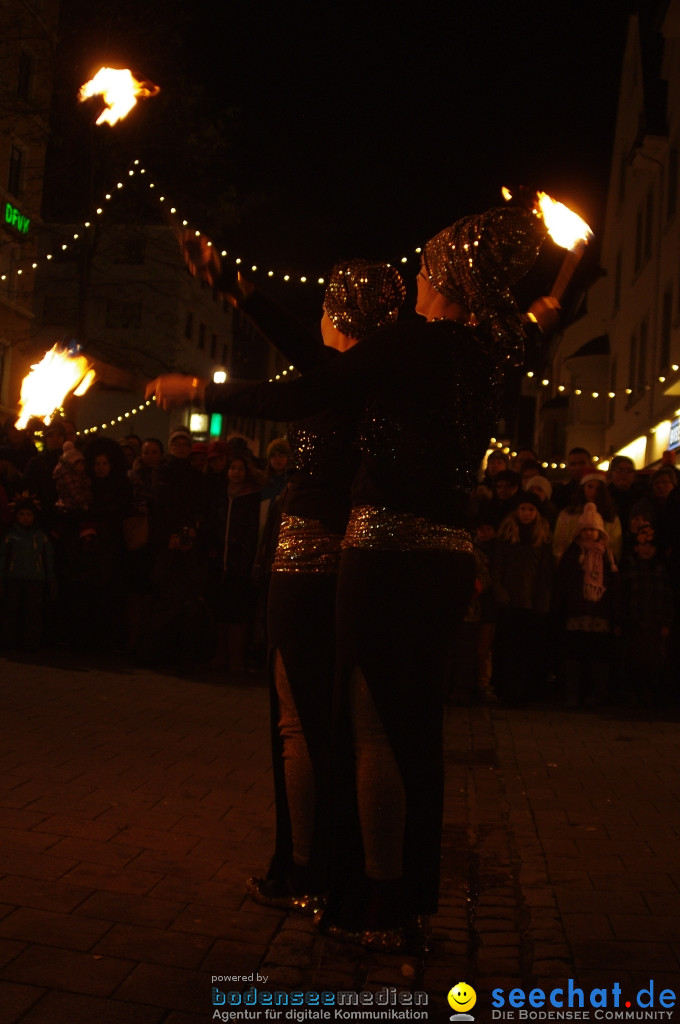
{"points": [[16, 165], [123, 315]]}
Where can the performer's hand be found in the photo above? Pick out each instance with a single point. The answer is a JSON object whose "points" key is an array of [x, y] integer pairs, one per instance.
{"points": [[174, 389], [545, 312]]}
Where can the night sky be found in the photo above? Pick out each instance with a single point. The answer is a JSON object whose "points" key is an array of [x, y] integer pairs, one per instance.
{"points": [[367, 128], [363, 129]]}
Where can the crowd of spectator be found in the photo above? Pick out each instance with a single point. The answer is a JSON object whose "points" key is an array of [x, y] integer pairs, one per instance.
{"points": [[140, 549], [165, 554], [578, 587]]}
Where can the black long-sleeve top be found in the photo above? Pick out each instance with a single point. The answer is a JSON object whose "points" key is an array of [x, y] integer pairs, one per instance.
{"points": [[426, 395], [323, 458]]}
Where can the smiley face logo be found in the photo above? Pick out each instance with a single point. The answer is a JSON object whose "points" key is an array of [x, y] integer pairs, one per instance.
{"points": [[462, 997]]}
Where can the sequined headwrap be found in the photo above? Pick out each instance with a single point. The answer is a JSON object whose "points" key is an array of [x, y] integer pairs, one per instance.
{"points": [[478, 259], [362, 296]]}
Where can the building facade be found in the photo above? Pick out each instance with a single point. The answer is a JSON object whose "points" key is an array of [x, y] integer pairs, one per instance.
{"points": [[124, 292], [27, 51], [613, 381]]}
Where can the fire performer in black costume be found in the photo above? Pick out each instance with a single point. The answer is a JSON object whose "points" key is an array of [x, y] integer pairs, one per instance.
{"points": [[360, 298], [429, 394]]}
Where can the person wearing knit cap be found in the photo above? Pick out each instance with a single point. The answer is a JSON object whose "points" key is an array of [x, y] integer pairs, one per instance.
{"points": [[540, 485], [542, 488], [407, 569], [182, 437], [278, 446], [275, 479], [592, 488], [276, 476], [587, 602]]}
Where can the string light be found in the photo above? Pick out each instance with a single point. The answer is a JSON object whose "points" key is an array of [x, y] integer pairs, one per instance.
{"points": [[287, 277], [136, 169], [546, 382], [119, 419]]}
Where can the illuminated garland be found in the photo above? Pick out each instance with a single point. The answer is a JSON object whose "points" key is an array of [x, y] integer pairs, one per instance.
{"points": [[564, 389], [149, 402], [135, 169], [119, 419]]}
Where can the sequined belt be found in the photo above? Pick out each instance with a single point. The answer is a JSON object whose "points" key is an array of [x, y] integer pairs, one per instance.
{"points": [[380, 529], [305, 545]]}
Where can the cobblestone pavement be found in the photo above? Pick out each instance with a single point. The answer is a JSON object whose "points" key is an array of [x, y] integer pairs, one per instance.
{"points": [[133, 804]]}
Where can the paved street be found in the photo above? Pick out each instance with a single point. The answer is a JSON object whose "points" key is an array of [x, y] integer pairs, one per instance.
{"points": [[133, 804]]}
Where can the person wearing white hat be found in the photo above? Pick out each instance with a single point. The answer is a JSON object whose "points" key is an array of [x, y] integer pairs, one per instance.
{"points": [[592, 488], [587, 603]]}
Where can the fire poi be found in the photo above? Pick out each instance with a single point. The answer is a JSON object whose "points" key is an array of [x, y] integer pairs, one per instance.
{"points": [[46, 385], [567, 230], [119, 89]]}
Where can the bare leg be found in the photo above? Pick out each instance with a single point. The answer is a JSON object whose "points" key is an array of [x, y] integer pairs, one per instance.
{"points": [[298, 769]]}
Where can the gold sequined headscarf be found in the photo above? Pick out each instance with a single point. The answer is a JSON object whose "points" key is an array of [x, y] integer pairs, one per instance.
{"points": [[478, 259], [362, 296]]}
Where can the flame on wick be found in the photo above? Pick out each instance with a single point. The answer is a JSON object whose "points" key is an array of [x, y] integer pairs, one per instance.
{"points": [[564, 226], [119, 89], [48, 382]]}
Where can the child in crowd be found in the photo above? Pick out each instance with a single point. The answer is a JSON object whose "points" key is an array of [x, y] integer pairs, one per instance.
{"points": [[26, 578], [522, 580], [587, 600], [641, 514], [647, 621], [74, 486]]}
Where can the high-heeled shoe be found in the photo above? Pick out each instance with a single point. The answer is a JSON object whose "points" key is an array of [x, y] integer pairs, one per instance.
{"points": [[271, 894], [386, 940]]}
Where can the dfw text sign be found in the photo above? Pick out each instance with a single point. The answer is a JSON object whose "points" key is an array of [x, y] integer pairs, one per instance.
{"points": [[14, 218]]}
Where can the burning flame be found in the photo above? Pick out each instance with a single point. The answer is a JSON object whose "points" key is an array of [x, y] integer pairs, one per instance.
{"points": [[48, 382], [119, 89], [564, 226]]}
